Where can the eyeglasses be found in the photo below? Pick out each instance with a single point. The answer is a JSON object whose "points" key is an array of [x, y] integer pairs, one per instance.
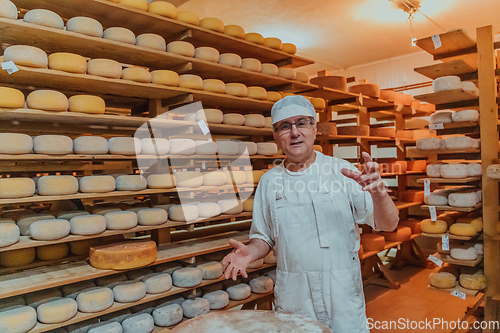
{"points": [[301, 124]]}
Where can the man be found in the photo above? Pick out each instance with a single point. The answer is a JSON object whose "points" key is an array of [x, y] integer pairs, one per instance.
{"points": [[306, 209]]}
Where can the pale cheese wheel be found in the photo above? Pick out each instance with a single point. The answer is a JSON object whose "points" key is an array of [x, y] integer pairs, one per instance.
{"points": [[302, 77], [18, 319], [226, 147], [212, 23], [236, 177], [465, 115], [11, 98], [463, 253], [156, 146], [106, 327], [454, 171], [124, 146], [52, 252], [191, 81], [105, 68], [86, 225], [470, 88], [214, 85], [137, 74], [445, 83], [182, 147], [57, 185], [475, 169], [463, 229], [129, 291], [233, 119], [318, 103], [442, 280], [231, 206], [248, 205], [254, 37], [443, 117], [239, 292], [138, 323], [254, 176], [24, 55], [236, 89], [187, 277], [255, 120], [214, 116], [463, 199], [267, 148], [131, 183], [208, 209], [214, 178], [163, 8], [167, 315], [251, 64], [120, 220], [97, 184], [459, 142], [17, 258], [119, 34], [104, 210], [57, 311], [182, 48], [401, 234], [230, 59], [261, 285], [429, 143], [437, 198], [15, 143], [195, 307], [287, 73], [48, 100], [85, 25], [67, 62], [9, 234], [274, 43], [218, 299], [49, 229], [247, 148], [434, 170], [475, 281], [433, 227], [257, 93], [157, 283], [189, 179], [372, 242], [188, 17], [165, 77], [183, 213], [87, 104], [44, 17], [52, 144], [207, 53], [8, 10], [139, 4], [269, 69], [206, 148], [211, 270], [34, 299], [24, 222], [11, 188], [152, 216]]}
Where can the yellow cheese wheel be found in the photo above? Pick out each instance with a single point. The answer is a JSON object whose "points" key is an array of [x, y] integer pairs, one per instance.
{"points": [[462, 229], [273, 96], [302, 77], [214, 178], [151, 41], [235, 31], [233, 119], [87, 104], [137, 74], [139, 4], [105, 67], [269, 69], [44, 17], [68, 62], [318, 103], [287, 73], [11, 98], [49, 100], [436, 227], [251, 64], [230, 59], [442, 280], [52, 252], [82, 247], [257, 93], [163, 8], [16, 258], [165, 77], [119, 34], [255, 120], [8, 10], [254, 37], [180, 47], [191, 81], [28, 56], [236, 89], [188, 17], [85, 25], [214, 85], [212, 23], [11, 188], [372, 242], [274, 43], [289, 48]]}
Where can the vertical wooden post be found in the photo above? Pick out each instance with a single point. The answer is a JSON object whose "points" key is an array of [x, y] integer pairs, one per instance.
{"points": [[325, 117], [488, 109], [401, 156]]}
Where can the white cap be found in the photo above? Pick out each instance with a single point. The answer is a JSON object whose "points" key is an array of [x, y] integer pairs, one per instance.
{"points": [[292, 106]]}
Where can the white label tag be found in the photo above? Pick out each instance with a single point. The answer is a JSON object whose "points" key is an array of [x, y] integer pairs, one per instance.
{"points": [[400, 107], [184, 170], [445, 242], [413, 111], [432, 210], [204, 127], [203, 166], [458, 294], [427, 187], [436, 126], [224, 168], [436, 40], [361, 99], [435, 260], [197, 169], [10, 67]]}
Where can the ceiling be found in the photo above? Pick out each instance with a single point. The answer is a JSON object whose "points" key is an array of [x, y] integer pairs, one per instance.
{"points": [[340, 34]]}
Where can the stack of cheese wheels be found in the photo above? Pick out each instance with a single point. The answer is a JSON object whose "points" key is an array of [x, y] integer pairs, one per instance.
{"points": [[372, 242], [446, 83]]}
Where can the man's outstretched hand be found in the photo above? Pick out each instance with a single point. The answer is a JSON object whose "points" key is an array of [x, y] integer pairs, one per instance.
{"points": [[237, 261], [369, 178]]}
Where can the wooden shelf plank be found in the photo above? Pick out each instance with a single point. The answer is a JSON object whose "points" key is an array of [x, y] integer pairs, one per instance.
{"points": [[455, 209], [450, 181], [452, 43], [403, 205], [111, 14], [456, 67], [392, 174], [414, 152], [469, 263], [455, 237], [107, 157], [462, 127], [239, 130], [445, 97]]}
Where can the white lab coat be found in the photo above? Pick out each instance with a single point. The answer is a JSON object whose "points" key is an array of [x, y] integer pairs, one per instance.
{"points": [[312, 229]]}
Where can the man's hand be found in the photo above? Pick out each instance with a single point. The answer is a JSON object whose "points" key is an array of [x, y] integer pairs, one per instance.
{"points": [[369, 179], [237, 261]]}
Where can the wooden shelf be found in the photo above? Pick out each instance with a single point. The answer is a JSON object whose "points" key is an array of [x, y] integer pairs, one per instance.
{"points": [[450, 181], [455, 237], [403, 205], [447, 259], [456, 67], [456, 209], [392, 174], [455, 44], [239, 130], [388, 245], [107, 157], [447, 97], [111, 14], [414, 152]]}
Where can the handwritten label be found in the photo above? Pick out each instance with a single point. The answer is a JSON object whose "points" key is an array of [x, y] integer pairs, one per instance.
{"points": [[436, 40], [203, 127], [203, 166], [432, 210], [435, 260], [427, 187], [436, 126], [400, 107], [458, 294], [10, 67], [360, 99], [445, 242]]}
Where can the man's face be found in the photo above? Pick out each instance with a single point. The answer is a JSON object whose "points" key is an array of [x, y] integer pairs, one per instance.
{"points": [[296, 136]]}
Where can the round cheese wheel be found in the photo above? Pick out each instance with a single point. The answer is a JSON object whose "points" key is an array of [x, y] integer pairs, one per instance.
{"points": [[163, 8], [251, 64], [57, 185], [49, 229], [239, 292], [401, 234], [236, 89], [208, 209], [152, 216], [139, 4], [470, 88], [167, 315], [206, 148], [318, 103], [182, 147], [429, 143], [372, 242], [233, 119], [218, 299], [52, 252], [12, 301], [97, 184], [211, 270], [463, 199], [161, 181], [475, 281], [105, 68], [24, 222], [226, 147], [187, 277], [49, 100], [124, 146], [17, 258], [302, 77], [165, 77], [214, 85], [214, 116], [85, 25], [443, 117], [254, 37], [267, 148], [9, 234], [68, 215], [43, 17], [11, 188], [368, 89], [157, 283], [289, 48], [274, 43], [273, 96], [214, 178], [86, 225], [247, 148], [255, 120], [155, 146], [18, 319], [459, 142], [183, 48], [129, 291], [287, 73], [119, 34], [82, 248], [454, 171], [120, 220], [463, 253], [230, 59], [87, 104], [248, 205], [131, 183], [195, 307], [475, 169], [261, 285], [235, 31], [15, 143], [207, 53], [269, 69], [189, 179], [90, 145], [28, 56], [188, 17], [434, 227], [191, 81], [236, 177], [442, 280], [437, 198], [230, 206], [137, 74], [253, 177], [8, 10], [183, 213], [212, 23], [257, 93], [446, 83], [413, 224], [11, 98], [68, 62], [52, 144], [463, 229], [433, 170]]}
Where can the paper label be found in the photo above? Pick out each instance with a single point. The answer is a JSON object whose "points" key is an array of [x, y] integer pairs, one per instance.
{"points": [[361, 99], [445, 242], [432, 210], [427, 187], [10, 67], [203, 166], [198, 169], [436, 40], [184, 170], [400, 107], [435, 260], [436, 126], [458, 294], [203, 127], [413, 111]]}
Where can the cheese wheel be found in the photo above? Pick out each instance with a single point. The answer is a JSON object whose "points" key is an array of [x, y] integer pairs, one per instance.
{"points": [[156, 146], [401, 234], [106, 327], [28, 56], [475, 169], [191, 81], [247, 148], [206, 148], [137, 74], [207, 53], [465, 115], [139, 4], [195, 307], [129, 291], [15, 143], [470, 88], [214, 178], [239, 292], [226, 147], [183, 213], [57, 185], [43, 17], [251, 64], [454, 171], [287, 73], [214, 85], [24, 222], [433, 227], [17, 258], [261, 285], [463, 229], [120, 220], [211, 270], [413, 224], [236, 89], [126, 255], [8, 10], [13, 301], [267, 148], [289, 48], [429, 143], [367, 89], [34, 299], [57, 311], [188, 17], [167, 315], [362, 130], [87, 104], [442, 280], [269, 69], [388, 95], [274, 43], [163, 8], [105, 68], [85, 25], [97, 184], [218, 299], [165, 77], [255, 120], [138, 323], [463, 253], [233, 119], [52, 252], [11, 188], [9, 234], [182, 147], [49, 229], [445, 83], [18, 320], [248, 205], [119, 34], [157, 283], [437, 198], [230, 59], [11, 98], [463, 199], [434, 170], [253, 177], [254, 37], [372, 242], [208, 209], [327, 128], [212, 23], [52, 144], [67, 62], [86, 225], [257, 93], [189, 179], [235, 31], [48, 100], [459, 142], [238, 177], [187, 277], [416, 123], [302, 77], [214, 116], [151, 216], [475, 281], [318, 103], [183, 48], [124, 146], [230, 206], [443, 117]]}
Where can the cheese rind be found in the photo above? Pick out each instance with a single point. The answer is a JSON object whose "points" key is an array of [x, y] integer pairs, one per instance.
{"points": [[287, 73], [47, 100], [15, 143], [129, 291], [95, 299], [261, 285], [163, 8], [11, 188], [257, 93], [289, 48], [106, 327], [226, 147], [463, 253], [97, 184], [269, 69], [68, 62], [124, 146], [230, 59], [214, 85], [87, 104], [429, 143], [18, 320], [86, 225], [207, 53], [235, 31], [138, 323], [52, 251], [16, 258], [208, 209], [137, 74], [443, 117], [139, 4], [168, 315], [233, 119], [254, 37], [24, 222], [165, 77], [49, 229], [249, 148], [195, 307], [218, 299], [433, 170], [212, 23], [44, 17], [214, 178], [239, 292], [459, 142], [302, 77], [8, 10], [214, 116], [446, 83], [157, 283], [475, 281], [85, 25], [105, 68], [57, 185], [9, 234], [475, 169], [236, 89], [120, 220], [11, 98], [230, 206], [470, 88], [126, 255], [180, 47], [274, 43], [188, 17], [368, 89], [161, 181], [454, 171], [401, 234], [57, 311], [251, 64], [463, 229], [183, 213], [52, 144], [211, 270], [463, 199], [442, 280], [191, 81], [465, 115], [90, 145], [26, 56], [152, 216], [119, 34], [436, 227], [187, 277]]}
